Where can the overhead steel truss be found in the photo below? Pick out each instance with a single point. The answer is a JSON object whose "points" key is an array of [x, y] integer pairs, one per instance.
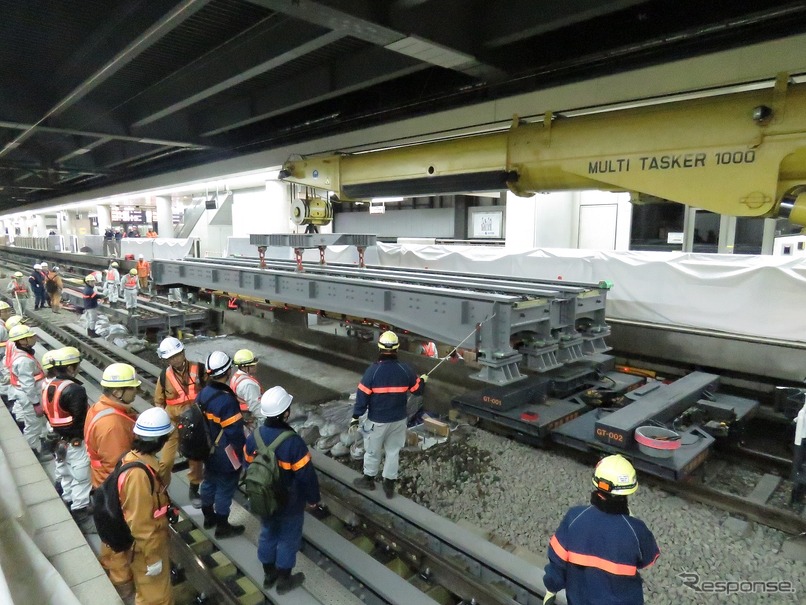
{"points": [[508, 320]]}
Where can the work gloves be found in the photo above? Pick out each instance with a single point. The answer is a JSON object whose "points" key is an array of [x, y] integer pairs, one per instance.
{"points": [[549, 598], [154, 569], [424, 377], [353, 427]]}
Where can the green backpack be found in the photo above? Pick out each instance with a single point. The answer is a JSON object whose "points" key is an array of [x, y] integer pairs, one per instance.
{"points": [[262, 482]]}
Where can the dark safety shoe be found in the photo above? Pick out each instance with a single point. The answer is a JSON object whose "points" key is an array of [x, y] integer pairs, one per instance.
{"points": [[225, 530], [389, 487], [84, 520], [365, 482], [92, 333], [210, 519], [286, 582], [193, 494], [270, 575], [43, 456]]}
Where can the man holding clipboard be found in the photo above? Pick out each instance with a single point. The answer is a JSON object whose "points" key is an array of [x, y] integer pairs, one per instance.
{"points": [[225, 424]]}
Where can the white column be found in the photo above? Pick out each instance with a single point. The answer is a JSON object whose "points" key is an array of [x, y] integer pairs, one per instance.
{"points": [[104, 218], [278, 203], [165, 220], [66, 222], [40, 228]]}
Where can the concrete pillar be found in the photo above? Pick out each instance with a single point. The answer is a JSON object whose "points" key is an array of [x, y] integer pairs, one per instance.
{"points": [[40, 227], [279, 203], [66, 226], [104, 218], [165, 220]]}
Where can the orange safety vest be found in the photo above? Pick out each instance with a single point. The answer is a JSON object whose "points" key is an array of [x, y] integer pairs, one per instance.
{"points": [[237, 379], [95, 460], [131, 282], [40, 374], [142, 268], [430, 349], [8, 360], [182, 396], [55, 413], [20, 288]]}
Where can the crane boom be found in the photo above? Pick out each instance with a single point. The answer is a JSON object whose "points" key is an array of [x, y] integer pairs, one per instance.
{"points": [[741, 154]]}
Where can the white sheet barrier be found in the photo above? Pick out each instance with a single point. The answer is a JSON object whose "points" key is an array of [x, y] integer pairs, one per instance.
{"points": [[758, 296]]}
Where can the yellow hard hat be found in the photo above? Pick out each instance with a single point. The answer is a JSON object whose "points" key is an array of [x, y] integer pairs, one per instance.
{"points": [[119, 376], [114, 264], [20, 332], [18, 274], [89, 278], [132, 271], [244, 357], [4, 305], [615, 475], [14, 320], [66, 356], [47, 360], [388, 341]]}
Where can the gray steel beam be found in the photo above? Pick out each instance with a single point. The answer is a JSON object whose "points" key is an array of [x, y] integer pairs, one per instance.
{"points": [[155, 33]]}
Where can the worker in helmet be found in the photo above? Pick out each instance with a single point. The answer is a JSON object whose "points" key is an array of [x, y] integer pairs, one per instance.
{"points": [[598, 549], [226, 429], [144, 501], [177, 388], [26, 379], [9, 349], [53, 288], [5, 310], [65, 403], [382, 394], [108, 434], [18, 288], [45, 269], [281, 534], [112, 283], [37, 285], [130, 291], [429, 348], [246, 387], [91, 297], [143, 271], [3, 368]]}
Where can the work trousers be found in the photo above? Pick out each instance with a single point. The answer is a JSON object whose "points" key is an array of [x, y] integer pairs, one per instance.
{"points": [[130, 298], [20, 303], [116, 565], [117, 247], [168, 451], [143, 281], [383, 439], [92, 317], [217, 490], [153, 590], [109, 247], [36, 427], [74, 473], [111, 291], [280, 540], [39, 298], [56, 301]]}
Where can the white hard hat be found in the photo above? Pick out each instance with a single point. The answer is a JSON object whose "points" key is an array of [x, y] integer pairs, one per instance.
{"points": [[140, 256], [44, 263], [218, 363], [154, 422], [275, 401], [37, 266], [169, 347]]}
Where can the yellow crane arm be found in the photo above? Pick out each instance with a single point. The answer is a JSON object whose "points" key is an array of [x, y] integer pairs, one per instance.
{"points": [[742, 154]]}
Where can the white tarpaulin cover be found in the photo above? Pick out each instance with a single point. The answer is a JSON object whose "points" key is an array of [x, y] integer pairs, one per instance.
{"points": [[164, 248], [757, 296]]}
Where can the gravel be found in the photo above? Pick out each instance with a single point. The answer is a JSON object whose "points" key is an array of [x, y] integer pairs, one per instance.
{"points": [[520, 494]]}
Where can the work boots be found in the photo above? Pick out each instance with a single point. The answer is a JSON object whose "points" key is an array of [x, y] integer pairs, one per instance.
{"points": [[286, 581], [43, 456], [225, 530], [210, 519], [84, 520], [92, 333], [389, 488], [365, 482], [193, 494], [270, 575]]}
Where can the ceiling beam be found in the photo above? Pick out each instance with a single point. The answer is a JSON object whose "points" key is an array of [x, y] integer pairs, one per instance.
{"points": [[98, 135], [155, 33], [364, 69], [226, 69]]}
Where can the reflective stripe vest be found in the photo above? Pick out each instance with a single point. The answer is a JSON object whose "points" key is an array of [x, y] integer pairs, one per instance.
{"points": [[238, 378], [40, 373], [95, 460], [183, 396], [11, 350], [55, 413], [130, 282], [430, 349], [20, 288]]}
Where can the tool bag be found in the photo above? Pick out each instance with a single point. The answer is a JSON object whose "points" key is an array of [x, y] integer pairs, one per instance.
{"points": [[262, 482], [107, 512]]}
